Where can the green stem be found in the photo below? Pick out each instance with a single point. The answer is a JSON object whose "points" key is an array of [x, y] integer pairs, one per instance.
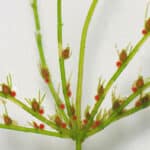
{"points": [[115, 115], [78, 145], [61, 60], [115, 76], [58, 101], [42, 57], [38, 34], [81, 60], [32, 130]]}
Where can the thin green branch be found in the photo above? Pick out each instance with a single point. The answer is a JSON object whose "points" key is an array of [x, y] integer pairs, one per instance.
{"points": [[61, 60], [32, 130], [81, 60], [42, 57], [132, 111], [38, 34], [115, 76], [29, 110], [115, 115], [35, 114]]}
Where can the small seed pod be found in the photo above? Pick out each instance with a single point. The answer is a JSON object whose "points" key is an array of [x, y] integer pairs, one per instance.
{"points": [[13, 93], [66, 53], [35, 106], [140, 82], [123, 55], [45, 74], [41, 111], [97, 97], [87, 112], [118, 64], [58, 121], [74, 117], [6, 89], [72, 110], [62, 106], [96, 124], [134, 89], [145, 99], [88, 115], [7, 120], [144, 32], [69, 93], [35, 125], [41, 126], [85, 121], [138, 103], [100, 90], [63, 125], [117, 104], [147, 25]]}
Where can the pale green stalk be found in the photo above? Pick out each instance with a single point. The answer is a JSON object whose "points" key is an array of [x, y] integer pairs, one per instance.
{"points": [[81, 60], [61, 60], [32, 130]]}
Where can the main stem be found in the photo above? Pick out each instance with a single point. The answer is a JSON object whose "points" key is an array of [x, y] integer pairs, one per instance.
{"points": [[81, 60], [78, 145]]}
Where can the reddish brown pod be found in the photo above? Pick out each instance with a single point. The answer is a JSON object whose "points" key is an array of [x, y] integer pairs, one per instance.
{"points": [[6, 89], [62, 106], [138, 84], [122, 57], [35, 105], [66, 53], [7, 120], [57, 120], [45, 74], [96, 123]]}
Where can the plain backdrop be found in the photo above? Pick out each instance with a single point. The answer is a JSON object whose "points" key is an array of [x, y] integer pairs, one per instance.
{"points": [[115, 22]]}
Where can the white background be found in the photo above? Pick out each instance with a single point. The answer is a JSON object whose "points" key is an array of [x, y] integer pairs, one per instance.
{"points": [[114, 22]]}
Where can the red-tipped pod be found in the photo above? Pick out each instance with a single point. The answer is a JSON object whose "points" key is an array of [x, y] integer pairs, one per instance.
{"points": [[144, 32], [85, 121], [69, 93], [96, 97], [123, 55], [45, 74], [134, 89], [96, 124], [13, 93], [41, 126], [118, 64], [62, 106], [63, 125], [41, 111]]}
